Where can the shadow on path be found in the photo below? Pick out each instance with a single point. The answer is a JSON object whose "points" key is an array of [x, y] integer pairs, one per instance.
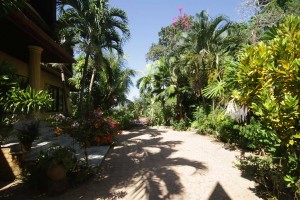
{"points": [[219, 193], [144, 162]]}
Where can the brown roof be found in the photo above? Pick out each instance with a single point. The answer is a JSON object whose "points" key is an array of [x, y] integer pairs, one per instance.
{"points": [[17, 31]]}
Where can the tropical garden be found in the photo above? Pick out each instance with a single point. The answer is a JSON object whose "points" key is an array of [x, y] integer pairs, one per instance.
{"points": [[236, 81], [94, 32]]}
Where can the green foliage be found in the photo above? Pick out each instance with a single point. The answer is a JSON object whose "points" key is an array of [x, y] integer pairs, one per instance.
{"points": [[269, 79], [156, 115], [216, 123], [270, 84], [225, 128], [55, 155], [8, 80], [96, 27], [125, 120], [268, 173], [214, 89], [28, 100], [201, 121], [181, 125], [255, 136]]}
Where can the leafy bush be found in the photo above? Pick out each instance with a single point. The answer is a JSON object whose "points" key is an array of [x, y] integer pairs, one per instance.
{"points": [[225, 128], [8, 81], [124, 115], [217, 123], [202, 122], [181, 125], [125, 121], [268, 173], [255, 136]]}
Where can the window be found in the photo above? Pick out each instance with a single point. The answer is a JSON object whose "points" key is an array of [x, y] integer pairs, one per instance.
{"points": [[58, 98], [23, 81]]}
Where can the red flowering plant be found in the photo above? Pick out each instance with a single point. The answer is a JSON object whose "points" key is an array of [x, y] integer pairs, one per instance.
{"points": [[95, 130]]}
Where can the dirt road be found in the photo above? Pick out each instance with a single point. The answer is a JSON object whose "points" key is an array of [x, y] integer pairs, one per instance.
{"points": [[164, 164]]}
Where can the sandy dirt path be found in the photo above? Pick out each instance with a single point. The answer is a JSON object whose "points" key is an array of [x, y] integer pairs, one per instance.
{"points": [[155, 164]]}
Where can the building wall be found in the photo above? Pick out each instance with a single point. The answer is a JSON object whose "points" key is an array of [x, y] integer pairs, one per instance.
{"points": [[22, 68]]}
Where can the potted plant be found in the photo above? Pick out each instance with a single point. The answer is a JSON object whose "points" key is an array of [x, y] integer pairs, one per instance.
{"points": [[51, 169], [27, 133], [56, 161]]}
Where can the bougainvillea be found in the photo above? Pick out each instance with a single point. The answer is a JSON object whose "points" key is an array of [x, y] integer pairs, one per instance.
{"points": [[182, 21]]}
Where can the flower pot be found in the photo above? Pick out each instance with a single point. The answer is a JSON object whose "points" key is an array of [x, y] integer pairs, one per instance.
{"points": [[57, 173]]}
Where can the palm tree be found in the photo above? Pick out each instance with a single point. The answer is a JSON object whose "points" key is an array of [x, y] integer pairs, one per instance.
{"points": [[112, 82], [95, 27], [206, 41]]}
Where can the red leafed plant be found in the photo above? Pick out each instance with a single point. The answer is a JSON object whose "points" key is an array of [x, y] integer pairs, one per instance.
{"points": [[96, 130]]}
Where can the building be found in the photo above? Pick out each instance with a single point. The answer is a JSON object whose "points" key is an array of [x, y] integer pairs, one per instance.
{"points": [[27, 44]]}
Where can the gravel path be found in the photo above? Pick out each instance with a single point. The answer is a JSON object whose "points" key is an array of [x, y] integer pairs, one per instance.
{"points": [[164, 164]]}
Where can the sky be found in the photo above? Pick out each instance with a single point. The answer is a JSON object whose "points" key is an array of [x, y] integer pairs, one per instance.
{"points": [[147, 17]]}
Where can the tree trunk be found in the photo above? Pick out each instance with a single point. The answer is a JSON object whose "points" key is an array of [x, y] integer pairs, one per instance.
{"points": [[66, 111], [90, 91], [82, 84]]}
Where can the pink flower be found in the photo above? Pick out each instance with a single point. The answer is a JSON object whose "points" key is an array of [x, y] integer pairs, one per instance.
{"points": [[180, 9]]}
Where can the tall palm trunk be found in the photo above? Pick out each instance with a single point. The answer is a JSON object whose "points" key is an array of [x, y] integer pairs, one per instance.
{"points": [[88, 99], [97, 65], [82, 83], [64, 91]]}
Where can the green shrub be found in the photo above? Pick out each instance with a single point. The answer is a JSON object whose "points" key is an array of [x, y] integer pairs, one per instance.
{"points": [[123, 116], [268, 173], [201, 121], [48, 159], [181, 125], [255, 136], [225, 129], [125, 121]]}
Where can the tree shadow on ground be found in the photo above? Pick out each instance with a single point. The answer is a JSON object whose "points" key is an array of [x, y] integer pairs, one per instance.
{"points": [[144, 162]]}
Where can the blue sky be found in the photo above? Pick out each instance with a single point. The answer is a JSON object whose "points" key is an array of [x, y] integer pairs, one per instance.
{"points": [[147, 17]]}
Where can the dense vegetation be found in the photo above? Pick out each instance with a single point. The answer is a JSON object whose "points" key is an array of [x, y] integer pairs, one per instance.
{"points": [[237, 81]]}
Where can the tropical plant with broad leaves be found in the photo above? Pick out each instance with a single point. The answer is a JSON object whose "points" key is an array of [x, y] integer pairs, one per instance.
{"points": [[27, 100]]}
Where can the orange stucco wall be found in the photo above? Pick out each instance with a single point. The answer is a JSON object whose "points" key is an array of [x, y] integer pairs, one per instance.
{"points": [[22, 68]]}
